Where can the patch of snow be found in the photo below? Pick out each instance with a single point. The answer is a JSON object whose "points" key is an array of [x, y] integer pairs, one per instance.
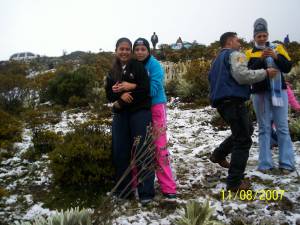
{"points": [[37, 210], [11, 200]]}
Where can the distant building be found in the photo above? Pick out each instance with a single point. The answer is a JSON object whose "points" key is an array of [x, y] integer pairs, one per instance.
{"points": [[178, 46], [181, 44], [23, 56]]}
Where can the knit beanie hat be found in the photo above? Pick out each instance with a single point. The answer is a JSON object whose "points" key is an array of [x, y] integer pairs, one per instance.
{"points": [[142, 41], [260, 25]]}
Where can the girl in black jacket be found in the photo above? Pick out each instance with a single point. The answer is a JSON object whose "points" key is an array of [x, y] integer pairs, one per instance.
{"points": [[131, 117]]}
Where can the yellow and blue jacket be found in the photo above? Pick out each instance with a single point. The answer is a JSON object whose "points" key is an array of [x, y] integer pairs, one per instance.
{"points": [[255, 62]]}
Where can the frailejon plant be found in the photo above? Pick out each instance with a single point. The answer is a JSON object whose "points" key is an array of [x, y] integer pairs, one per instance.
{"points": [[197, 214], [69, 217]]}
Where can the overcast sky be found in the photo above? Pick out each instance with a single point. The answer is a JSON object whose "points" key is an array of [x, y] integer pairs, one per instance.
{"points": [[47, 27]]}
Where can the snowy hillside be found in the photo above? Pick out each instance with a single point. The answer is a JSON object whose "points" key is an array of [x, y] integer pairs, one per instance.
{"points": [[191, 140]]}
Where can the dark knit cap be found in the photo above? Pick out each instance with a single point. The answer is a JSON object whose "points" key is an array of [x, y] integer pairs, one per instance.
{"points": [[142, 41], [260, 25], [123, 39]]}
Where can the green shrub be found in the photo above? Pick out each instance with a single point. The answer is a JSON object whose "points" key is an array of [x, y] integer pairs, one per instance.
{"points": [[13, 86], [13, 92], [84, 157], [172, 86], [44, 141], [197, 80], [54, 115], [34, 119], [98, 104], [68, 84], [185, 90], [293, 49], [6, 153], [69, 217], [193, 86], [10, 130], [37, 118], [294, 126], [293, 76], [75, 101], [40, 84], [13, 68]]}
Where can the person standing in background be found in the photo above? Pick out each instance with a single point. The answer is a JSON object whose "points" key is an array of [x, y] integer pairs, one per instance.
{"points": [[154, 40]]}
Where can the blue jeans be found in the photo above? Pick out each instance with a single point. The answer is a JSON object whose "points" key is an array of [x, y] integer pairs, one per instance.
{"points": [[265, 112]]}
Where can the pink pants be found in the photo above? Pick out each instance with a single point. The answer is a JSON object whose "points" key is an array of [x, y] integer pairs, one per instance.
{"points": [[163, 172]]}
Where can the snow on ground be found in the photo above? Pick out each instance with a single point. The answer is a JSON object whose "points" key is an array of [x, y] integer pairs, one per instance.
{"points": [[36, 209], [191, 140], [19, 176], [69, 119]]}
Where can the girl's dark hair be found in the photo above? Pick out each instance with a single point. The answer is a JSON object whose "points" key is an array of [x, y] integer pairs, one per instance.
{"points": [[116, 71], [123, 39]]}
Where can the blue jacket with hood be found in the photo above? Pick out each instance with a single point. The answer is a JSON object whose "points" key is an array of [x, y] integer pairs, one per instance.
{"points": [[156, 75]]}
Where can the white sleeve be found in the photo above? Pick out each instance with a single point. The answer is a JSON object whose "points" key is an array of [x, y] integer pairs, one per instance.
{"points": [[241, 73]]}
